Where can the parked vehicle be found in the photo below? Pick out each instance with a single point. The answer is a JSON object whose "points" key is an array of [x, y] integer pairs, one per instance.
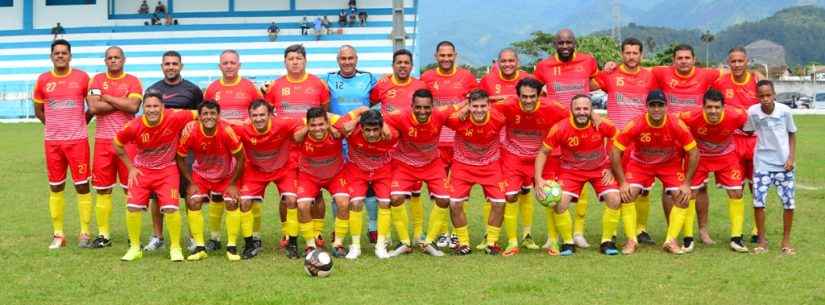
{"points": [[795, 100], [819, 100]]}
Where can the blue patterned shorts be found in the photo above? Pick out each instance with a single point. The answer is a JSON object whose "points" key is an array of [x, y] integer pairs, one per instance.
{"points": [[785, 186]]}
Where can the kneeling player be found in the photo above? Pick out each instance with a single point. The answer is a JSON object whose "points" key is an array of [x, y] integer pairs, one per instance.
{"points": [[214, 175]]}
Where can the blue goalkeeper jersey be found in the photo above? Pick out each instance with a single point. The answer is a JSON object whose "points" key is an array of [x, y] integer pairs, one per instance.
{"points": [[348, 93]]}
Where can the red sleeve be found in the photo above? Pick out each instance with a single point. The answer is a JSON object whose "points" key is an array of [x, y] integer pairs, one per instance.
{"points": [[375, 93], [626, 136], [594, 66], [271, 96], [209, 94], [470, 82], [38, 95], [231, 140], [324, 94], [683, 135], [135, 88], [659, 75], [712, 75], [453, 121], [185, 140], [392, 119], [126, 134], [551, 139], [85, 81], [393, 135], [252, 90], [602, 79], [484, 84], [96, 83], [539, 73], [607, 129]]}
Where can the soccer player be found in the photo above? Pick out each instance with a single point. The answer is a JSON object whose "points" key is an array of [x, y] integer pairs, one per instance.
{"points": [[476, 161], [450, 85], [713, 126], [177, 93], [114, 98], [234, 94], [415, 161], [584, 159], [267, 143], [291, 96], [155, 134], [566, 74], [214, 176], [500, 83], [59, 104], [658, 140], [773, 161], [528, 118], [627, 87]]}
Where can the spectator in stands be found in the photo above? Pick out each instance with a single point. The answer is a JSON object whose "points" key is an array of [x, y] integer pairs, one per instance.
{"points": [[362, 17], [327, 25], [351, 4], [144, 8], [160, 8], [304, 26], [58, 30], [273, 31], [351, 16], [317, 27], [342, 18]]}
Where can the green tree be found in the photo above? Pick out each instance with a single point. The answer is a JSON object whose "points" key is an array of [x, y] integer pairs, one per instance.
{"points": [[540, 45]]}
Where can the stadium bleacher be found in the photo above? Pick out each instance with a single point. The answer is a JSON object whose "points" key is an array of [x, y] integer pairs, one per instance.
{"points": [[200, 38]]}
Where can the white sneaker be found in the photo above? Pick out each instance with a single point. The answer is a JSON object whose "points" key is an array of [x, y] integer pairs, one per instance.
{"points": [[401, 249], [354, 252], [580, 242], [57, 242], [381, 251], [431, 250], [738, 247], [154, 244], [443, 241]]}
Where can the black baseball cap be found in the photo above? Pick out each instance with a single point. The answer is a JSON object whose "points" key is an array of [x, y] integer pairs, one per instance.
{"points": [[656, 96]]}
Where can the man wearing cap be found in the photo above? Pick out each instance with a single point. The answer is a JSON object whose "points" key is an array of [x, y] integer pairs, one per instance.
{"points": [[661, 142]]}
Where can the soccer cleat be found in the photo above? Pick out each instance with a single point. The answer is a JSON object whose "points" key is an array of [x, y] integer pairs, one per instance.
{"points": [[198, 254], [176, 255], [527, 242], [190, 244], [101, 242], [308, 249], [443, 241], [687, 244], [737, 246], [249, 248], [134, 253], [258, 243], [430, 249], [567, 250], [155, 243], [672, 247], [373, 236], [645, 239], [57, 242], [232, 253], [483, 244], [292, 251], [608, 248], [381, 251], [283, 242], [453, 241], [339, 251], [320, 242], [84, 241], [580, 241], [462, 250], [629, 247], [493, 249], [354, 252], [401, 249], [212, 245], [511, 251], [754, 239]]}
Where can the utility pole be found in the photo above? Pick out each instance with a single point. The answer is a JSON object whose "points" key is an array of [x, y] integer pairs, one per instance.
{"points": [[399, 34], [616, 31]]}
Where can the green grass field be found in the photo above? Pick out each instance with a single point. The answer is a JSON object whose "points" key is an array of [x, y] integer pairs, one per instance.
{"points": [[711, 275]]}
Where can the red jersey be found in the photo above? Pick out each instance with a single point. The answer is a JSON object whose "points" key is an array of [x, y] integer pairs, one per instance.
{"points": [[655, 145], [477, 143], [234, 97], [126, 85], [63, 98], [449, 89], [393, 95], [742, 95], [626, 93], [418, 142], [321, 159], [370, 156], [155, 144], [213, 154], [267, 151], [292, 98], [500, 88], [715, 140], [582, 149], [525, 130], [565, 79], [684, 93]]}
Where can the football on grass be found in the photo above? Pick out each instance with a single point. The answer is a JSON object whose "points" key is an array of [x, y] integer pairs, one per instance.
{"points": [[552, 193], [318, 263]]}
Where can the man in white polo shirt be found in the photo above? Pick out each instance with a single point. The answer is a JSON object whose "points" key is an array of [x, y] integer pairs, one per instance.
{"points": [[773, 160]]}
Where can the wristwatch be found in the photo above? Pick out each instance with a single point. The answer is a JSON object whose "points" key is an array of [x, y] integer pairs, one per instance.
{"points": [[94, 91]]}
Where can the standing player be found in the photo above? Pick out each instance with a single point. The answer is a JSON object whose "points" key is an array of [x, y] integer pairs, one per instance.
{"points": [[214, 176], [234, 94], [500, 83], [627, 87], [155, 134], [291, 96], [566, 74], [658, 140], [713, 127], [59, 104], [114, 98]]}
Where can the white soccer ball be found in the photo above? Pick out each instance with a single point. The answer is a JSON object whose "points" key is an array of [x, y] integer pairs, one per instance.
{"points": [[318, 263]]}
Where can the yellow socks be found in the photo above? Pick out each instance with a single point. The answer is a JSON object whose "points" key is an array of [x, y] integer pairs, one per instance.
{"points": [[103, 209], [463, 235], [564, 226], [256, 218], [690, 219], [341, 230], [133, 226], [308, 232], [195, 219], [291, 228], [215, 210], [400, 221], [233, 225], [383, 223], [676, 222], [610, 220], [485, 211], [247, 220], [511, 223], [629, 220], [493, 233], [437, 214], [581, 212], [356, 225], [642, 212], [417, 211], [525, 204], [318, 226], [172, 221], [552, 233], [736, 211], [56, 206], [84, 206]]}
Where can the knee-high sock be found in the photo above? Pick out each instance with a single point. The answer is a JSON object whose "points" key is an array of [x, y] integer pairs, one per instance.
{"points": [[371, 205], [291, 222], [233, 225], [525, 204], [215, 210], [308, 232], [341, 230], [318, 225], [736, 211], [356, 225], [485, 211], [133, 227], [463, 235], [610, 220], [564, 226], [690, 218], [103, 210], [629, 220], [195, 219], [676, 222], [56, 206], [642, 213], [247, 221], [552, 233], [581, 213], [436, 218], [84, 206], [493, 234], [401, 221], [256, 218], [384, 222], [511, 223], [417, 211], [172, 221]]}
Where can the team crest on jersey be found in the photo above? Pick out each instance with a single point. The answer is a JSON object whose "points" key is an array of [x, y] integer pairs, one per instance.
{"points": [[673, 83], [391, 93], [702, 131], [729, 93], [736, 174]]}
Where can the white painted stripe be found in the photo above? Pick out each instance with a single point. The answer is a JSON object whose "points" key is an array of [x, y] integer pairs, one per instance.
{"points": [[265, 19]]}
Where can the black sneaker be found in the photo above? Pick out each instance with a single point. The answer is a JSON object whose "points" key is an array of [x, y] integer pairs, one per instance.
{"points": [[462, 250], [292, 248], [212, 245], [493, 249], [258, 243], [754, 239], [567, 249], [249, 249], [339, 251], [101, 242], [645, 239], [608, 248], [687, 244]]}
